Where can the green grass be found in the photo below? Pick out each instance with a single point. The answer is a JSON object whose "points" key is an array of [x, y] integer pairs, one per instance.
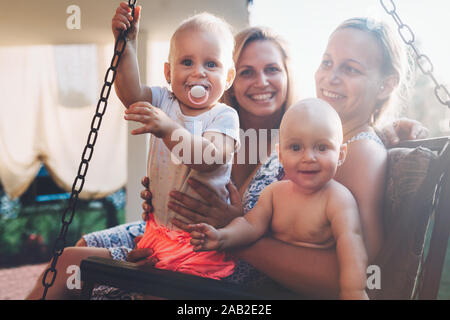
{"points": [[45, 220]]}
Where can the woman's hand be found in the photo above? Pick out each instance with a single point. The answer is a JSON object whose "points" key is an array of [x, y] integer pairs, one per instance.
{"points": [[140, 255], [402, 129], [146, 195], [212, 210]]}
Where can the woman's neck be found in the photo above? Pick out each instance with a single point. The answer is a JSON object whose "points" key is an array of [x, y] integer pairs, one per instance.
{"points": [[249, 121], [352, 128]]}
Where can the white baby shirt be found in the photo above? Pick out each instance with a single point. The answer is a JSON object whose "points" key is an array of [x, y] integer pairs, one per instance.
{"points": [[167, 175]]}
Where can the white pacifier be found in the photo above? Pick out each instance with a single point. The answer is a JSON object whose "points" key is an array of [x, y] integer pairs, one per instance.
{"points": [[198, 92]]}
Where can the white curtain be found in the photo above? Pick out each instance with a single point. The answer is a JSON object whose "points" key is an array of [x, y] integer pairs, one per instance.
{"points": [[48, 96]]}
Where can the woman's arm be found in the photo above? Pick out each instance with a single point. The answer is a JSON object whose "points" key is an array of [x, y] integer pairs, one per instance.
{"points": [[364, 174], [307, 271]]}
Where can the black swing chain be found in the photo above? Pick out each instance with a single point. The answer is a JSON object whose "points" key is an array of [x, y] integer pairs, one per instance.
{"points": [[78, 184], [423, 61]]}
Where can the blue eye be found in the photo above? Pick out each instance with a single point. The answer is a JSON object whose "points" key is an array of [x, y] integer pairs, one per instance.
{"points": [[326, 64], [323, 147], [246, 73], [211, 64], [272, 70], [187, 62], [352, 70], [295, 147]]}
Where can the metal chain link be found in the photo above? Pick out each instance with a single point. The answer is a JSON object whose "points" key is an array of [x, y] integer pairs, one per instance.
{"points": [[423, 61], [78, 183]]}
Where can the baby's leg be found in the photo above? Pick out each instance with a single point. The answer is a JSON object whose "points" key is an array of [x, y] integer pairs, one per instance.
{"points": [[81, 243], [70, 256]]}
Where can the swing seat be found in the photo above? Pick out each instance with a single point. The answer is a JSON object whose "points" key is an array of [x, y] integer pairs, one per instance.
{"points": [[417, 191]]}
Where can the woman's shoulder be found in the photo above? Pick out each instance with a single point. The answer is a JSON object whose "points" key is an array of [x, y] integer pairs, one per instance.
{"points": [[366, 149], [365, 146], [364, 166], [368, 135], [364, 159]]}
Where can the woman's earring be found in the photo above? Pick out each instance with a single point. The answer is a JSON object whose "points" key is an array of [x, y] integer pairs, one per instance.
{"points": [[374, 116]]}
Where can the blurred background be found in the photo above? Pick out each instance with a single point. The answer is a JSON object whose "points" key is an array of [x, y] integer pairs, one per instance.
{"points": [[53, 58]]}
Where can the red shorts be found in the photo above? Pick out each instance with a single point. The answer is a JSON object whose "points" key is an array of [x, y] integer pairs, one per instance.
{"points": [[174, 252]]}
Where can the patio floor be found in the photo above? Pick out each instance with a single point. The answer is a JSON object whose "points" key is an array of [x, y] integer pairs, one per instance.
{"points": [[16, 283]]}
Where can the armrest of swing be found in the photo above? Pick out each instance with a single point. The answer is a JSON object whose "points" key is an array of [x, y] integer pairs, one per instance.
{"points": [[434, 144], [165, 284], [416, 168]]}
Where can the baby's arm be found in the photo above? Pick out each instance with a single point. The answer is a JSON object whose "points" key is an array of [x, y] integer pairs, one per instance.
{"points": [[214, 148], [127, 82], [241, 231], [342, 212]]}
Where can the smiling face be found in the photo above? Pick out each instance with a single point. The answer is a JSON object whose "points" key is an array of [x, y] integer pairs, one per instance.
{"points": [[199, 58], [349, 76], [310, 148], [261, 83]]}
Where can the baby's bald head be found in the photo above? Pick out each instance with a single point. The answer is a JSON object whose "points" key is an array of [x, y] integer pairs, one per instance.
{"points": [[313, 115]]}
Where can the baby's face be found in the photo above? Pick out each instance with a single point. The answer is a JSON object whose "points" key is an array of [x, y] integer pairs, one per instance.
{"points": [[310, 150], [199, 58]]}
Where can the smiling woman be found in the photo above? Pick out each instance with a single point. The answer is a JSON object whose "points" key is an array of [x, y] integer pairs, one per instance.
{"points": [[260, 84], [357, 70]]}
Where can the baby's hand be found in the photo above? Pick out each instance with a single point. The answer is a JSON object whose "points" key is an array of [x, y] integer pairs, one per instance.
{"points": [[204, 237], [153, 119], [123, 20]]}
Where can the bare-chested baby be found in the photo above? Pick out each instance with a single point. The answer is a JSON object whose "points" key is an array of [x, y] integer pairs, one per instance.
{"points": [[308, 207]]}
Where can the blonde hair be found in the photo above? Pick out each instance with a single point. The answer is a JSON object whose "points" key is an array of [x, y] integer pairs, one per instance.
{"points": [[249, 35], [395, 60], [210, 23]]}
